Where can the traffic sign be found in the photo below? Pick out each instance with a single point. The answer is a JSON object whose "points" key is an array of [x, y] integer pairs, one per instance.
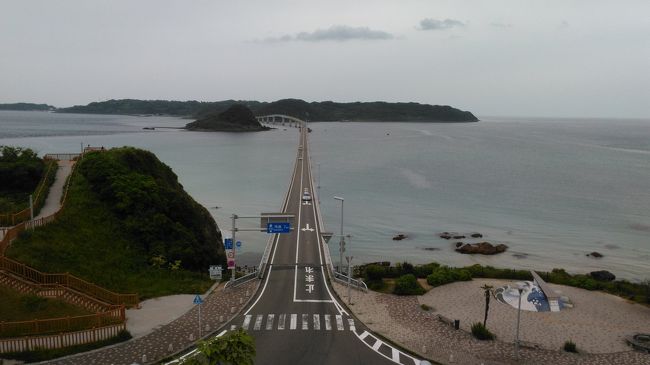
{"points": [[231, 255], [215, 272], [238, 245], [227, 243], [231, 263], [281, 227], [198, 299]]}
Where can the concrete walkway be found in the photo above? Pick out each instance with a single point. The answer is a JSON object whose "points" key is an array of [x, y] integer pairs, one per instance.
{"points": [[157, 312], [218, 308], [53, 201]]}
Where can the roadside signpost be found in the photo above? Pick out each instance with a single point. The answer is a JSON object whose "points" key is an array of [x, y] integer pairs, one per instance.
{"points": [[238, 246], [215, 272], [198, 301]]}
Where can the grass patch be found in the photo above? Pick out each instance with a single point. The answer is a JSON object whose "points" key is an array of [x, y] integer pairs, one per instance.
{"points": [[127, 233], [15, 306], [480, 332], [425, 307], [44, 355]]}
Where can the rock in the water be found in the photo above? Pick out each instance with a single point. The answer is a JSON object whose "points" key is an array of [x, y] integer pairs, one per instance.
{"points": [[595, 254], [400, 237], [459, 237], [483, 248], [458, 244], [477, 235], [602, 275], [445, 235], [430, 248]]}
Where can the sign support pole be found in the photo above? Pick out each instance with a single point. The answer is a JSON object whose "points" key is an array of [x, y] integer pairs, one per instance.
{"points": [[232, 275]]}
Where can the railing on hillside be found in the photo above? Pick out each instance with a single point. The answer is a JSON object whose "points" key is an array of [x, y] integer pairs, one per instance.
{"points": [[68, 280], [60, 340], [64, 324], [354, 283], [62, 156], [241, 280], [11, 219]]}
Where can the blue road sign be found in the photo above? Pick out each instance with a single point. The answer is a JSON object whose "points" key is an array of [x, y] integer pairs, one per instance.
{"points": [[197, 299], [238, 245], [228, 243], [282, 227]]}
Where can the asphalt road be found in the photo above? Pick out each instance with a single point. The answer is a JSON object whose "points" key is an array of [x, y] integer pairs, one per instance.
{"points": [[295, 318]]}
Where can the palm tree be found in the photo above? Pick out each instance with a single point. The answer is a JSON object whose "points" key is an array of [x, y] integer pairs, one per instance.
{"points": [[236, 348], [488, 293]]}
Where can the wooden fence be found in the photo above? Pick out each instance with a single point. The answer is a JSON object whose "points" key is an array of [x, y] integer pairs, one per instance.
{"points": [[11, 219], [67, 280], [60, 340], [64, 324]]}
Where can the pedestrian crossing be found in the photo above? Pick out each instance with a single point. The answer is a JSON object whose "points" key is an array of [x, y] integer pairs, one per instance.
{"points": [[295, 321]]}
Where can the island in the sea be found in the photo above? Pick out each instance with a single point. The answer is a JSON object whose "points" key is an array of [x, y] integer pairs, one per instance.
{"points": [[27, 107], [325, 111], [237, 118]]}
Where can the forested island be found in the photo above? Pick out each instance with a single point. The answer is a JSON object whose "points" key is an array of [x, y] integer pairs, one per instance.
{"points": [[27, 107], [309, 111], [237, 118]]}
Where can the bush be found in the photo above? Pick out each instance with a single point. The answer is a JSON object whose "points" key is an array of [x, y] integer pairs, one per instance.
{"points": [[374, 272], [445, 275], [481, 332], [408, 285], [425, 307], [569, 346], [422, 271]]}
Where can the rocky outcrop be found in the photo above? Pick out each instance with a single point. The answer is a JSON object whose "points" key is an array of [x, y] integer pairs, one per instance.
{"points": [[595, 254], [476, 235], [400, 237], [483, 248], [602, 275]]}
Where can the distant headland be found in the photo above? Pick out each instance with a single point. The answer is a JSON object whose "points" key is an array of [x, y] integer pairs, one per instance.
{"points": [[310, 111], [27, 107]]}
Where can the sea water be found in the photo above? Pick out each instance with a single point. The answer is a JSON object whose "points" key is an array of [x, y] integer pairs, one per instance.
{"points": [[553, 190]]}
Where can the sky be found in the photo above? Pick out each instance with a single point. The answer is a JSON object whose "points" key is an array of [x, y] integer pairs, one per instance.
{"points": [[551, 58]]}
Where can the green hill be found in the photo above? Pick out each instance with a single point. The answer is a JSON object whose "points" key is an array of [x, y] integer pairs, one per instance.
{"points": [[237, 118], [26, 107], [129, 226], [314, 111]]}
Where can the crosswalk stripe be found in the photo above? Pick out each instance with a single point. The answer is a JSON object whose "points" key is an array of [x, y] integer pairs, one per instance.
{"points": [[339, 322], [377, 345], [328, 324], [247, 322], [351, 324], [258, 322], [364, 335], [269, 321], [317, 322], [395, 355], [305, 321], [281, 320], [294, 321]]}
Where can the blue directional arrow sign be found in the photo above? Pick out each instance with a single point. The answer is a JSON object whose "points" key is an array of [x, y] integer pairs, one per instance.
{"points": [[281, 227], [197, 299], [238, 246], [227, 243]]}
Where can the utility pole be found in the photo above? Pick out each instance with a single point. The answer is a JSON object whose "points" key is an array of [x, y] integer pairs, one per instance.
{"points": [[234, 229], [31, 211], [520, 289]]}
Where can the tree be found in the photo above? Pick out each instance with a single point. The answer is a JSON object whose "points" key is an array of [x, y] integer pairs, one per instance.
{"points": [[236, 348], [488, 293]]}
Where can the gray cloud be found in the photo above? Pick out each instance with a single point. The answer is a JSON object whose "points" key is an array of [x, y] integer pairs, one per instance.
{"points": [[437, 24], [338, 33], [500, 25]]}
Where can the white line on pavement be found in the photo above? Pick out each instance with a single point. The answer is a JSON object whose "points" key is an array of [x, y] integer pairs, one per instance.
{"points": [[351, 324], [258, 322], [377, 345], [294, 321], [395, 355], [328, 323], [247, 322], [339, 322], [281, 320], [269, 322], [316, 322], [305, 321]]}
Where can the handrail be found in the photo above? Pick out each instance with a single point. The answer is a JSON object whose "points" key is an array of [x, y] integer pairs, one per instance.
{"points": [[241, 280], [357, 284], [23, 215], [62, 324]]}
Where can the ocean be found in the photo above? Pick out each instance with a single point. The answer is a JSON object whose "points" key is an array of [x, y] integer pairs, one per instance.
{"points": [[553, 190]]}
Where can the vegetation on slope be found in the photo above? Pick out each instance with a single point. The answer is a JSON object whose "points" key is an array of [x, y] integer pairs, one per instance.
{"points": [[237, 118], [26, 107], [21, 170], [314, 111], [129, 226], [15, 306]]}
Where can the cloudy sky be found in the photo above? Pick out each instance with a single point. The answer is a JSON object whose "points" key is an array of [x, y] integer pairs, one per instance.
{"points": [[524, 58]]}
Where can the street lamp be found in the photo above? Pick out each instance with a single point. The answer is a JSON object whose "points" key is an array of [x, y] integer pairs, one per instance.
{"points": [[349, 259], [342, 241], [520, 289]]}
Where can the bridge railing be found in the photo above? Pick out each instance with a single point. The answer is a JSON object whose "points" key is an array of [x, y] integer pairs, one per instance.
{"points": [[354, 283]]}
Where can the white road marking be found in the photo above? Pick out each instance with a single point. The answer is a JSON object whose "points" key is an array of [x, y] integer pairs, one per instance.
{"points": [[339, 322], [351, 324], [269, 322], [307, 228], [317, 322], [305, 321], [328, 323], [258, 322], [247, 322], [294, 321], [377, 345], [364, 335], [281, 320], [395, 355]]}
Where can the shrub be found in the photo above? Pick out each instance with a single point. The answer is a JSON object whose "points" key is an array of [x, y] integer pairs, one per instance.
{"points": [[569, 346], [425, 307], [408, 285], [374, 272], [422, 271], [481, 332]]}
